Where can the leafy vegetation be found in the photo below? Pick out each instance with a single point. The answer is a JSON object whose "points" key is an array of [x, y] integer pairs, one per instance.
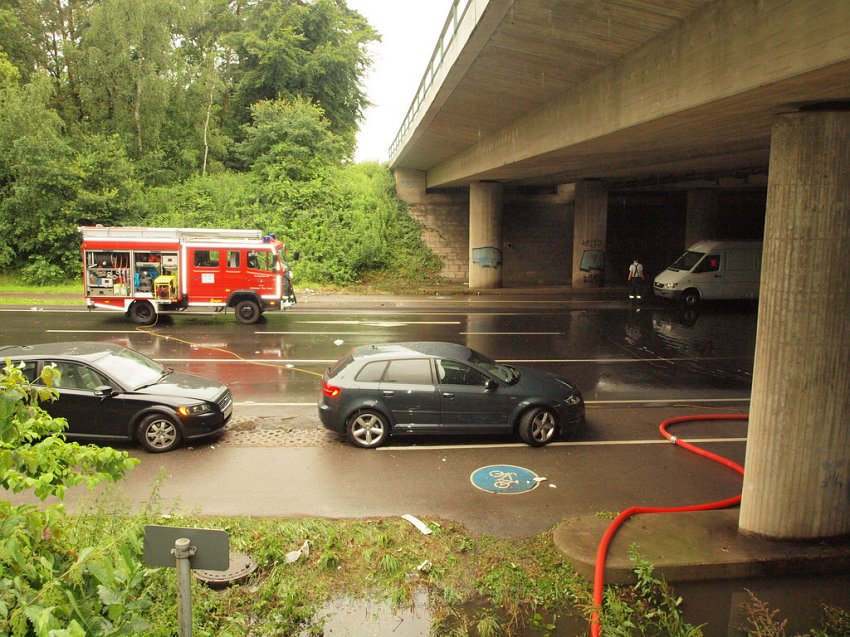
{"points": [[219, 114], [47, 584]]}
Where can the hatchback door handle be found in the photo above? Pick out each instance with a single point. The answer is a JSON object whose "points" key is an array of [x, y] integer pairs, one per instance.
{"points": [[388, 393], [449, 396]]}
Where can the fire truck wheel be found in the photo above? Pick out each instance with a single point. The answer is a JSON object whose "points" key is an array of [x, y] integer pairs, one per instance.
{"points": [[158, 433], [247, 312], [142, 313]]}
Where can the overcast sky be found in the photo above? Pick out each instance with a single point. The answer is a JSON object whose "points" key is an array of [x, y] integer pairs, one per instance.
{"points": [[409, 31]]}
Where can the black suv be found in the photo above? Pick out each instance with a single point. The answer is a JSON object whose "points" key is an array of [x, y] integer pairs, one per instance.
{"points": [[112, 392]]}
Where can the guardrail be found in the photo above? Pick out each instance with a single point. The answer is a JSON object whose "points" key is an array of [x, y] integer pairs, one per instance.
{"points": [[455, 17]]}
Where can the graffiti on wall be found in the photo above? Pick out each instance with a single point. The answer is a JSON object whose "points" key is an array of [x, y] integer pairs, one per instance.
{"points": [[593, 264]]}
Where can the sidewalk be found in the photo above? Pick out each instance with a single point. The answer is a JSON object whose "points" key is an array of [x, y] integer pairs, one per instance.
{"points": [[317, 299]]}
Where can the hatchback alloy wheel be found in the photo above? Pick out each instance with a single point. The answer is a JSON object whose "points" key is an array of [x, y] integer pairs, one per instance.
{"points": [[538, 426], [368, 429]]}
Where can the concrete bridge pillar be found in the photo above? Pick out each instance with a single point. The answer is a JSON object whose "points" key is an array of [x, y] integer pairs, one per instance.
{"points": [[797, 481], [485, 235], [589, 234], [410, 185], [703, 208]]}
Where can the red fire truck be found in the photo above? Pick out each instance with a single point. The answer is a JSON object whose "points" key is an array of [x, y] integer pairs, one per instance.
{"points": [[144, 272]]}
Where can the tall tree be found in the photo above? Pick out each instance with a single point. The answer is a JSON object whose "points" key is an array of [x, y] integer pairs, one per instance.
{"points": [[291, 48], [126, 67]]}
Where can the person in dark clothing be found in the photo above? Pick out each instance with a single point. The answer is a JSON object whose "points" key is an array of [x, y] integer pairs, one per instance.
{"points": [[635, 279]]}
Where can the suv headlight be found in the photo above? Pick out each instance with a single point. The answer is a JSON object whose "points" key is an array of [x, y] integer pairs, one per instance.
{"points": [[194, 410]]}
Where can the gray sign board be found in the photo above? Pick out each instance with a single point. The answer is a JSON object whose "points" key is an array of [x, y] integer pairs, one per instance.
{"points": [[212, 547]]}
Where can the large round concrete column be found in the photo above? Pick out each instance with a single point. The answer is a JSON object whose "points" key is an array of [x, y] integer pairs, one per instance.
{"points": [[590, 234], [485, 235], [702, 213], [797, 481]]}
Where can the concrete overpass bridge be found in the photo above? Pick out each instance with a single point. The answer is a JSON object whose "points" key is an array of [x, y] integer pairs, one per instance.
{"points": [[551, 141]]}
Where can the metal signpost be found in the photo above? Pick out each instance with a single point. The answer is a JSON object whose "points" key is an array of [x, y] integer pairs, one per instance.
{"points": [[186, 549]]}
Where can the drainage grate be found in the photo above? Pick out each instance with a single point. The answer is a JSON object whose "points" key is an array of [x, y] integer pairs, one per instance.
{"points": [[241, 566]]}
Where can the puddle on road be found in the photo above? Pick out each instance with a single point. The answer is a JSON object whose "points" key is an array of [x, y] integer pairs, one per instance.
{"points": [[714, 604], [367, 618], [346, 616]]}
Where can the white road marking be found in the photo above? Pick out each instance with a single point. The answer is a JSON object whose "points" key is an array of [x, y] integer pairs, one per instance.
{"points": [[588, 443], [509, 333], [381, 323], [662, 401], [648, 401], [95, 331], [251, 403]]}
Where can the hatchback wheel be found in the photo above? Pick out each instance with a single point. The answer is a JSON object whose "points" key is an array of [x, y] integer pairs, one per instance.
{"points": [[368, 429], [158, 433], [538, 426]]}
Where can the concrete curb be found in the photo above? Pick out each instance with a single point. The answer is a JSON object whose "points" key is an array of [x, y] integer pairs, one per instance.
{"points": [[694, 546]]}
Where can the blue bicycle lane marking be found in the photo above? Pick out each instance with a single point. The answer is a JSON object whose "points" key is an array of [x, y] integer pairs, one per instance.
{"points": [[504, 478]]}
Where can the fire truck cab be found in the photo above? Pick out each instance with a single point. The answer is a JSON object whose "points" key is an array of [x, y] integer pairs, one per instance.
{"points": [[149, 271]]}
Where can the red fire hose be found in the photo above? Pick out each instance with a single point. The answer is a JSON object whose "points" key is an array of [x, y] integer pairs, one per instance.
{"points": [[599, 571]]}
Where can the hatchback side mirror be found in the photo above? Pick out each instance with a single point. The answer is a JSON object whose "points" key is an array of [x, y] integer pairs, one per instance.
{"points": [[490, 385]]}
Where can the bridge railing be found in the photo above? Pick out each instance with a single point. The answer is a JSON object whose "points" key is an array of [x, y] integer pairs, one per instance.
{"points": [[450, 28]]}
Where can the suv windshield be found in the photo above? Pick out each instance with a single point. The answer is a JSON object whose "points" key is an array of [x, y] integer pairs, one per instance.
{"points": [[687, 261], [133, 369]]}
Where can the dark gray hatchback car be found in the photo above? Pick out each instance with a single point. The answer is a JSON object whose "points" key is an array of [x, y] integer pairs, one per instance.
{"points": [[432, 387], [110, 392]]}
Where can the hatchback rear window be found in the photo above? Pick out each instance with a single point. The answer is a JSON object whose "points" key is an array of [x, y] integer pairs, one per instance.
{"points": [[340, 365], [372, 372]]}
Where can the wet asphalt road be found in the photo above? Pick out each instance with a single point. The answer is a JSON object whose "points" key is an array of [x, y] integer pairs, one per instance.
{"points": [[635, 365]]}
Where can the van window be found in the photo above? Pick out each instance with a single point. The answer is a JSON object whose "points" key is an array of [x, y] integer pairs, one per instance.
{"points": [[686, 261], [711, 263]]}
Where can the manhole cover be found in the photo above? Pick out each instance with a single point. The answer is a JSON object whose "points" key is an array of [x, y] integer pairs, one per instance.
{"points": [[504, 478], [241, 566]]}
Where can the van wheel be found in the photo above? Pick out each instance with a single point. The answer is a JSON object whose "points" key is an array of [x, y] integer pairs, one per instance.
{"points": [[690, 298], [142, 313], [247, 312]]}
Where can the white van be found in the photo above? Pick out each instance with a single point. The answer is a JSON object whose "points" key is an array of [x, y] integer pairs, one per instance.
{"points": [[713, 270]]}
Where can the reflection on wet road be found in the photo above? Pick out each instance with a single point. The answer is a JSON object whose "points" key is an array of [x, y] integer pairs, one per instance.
{"points": [[614, 354]]}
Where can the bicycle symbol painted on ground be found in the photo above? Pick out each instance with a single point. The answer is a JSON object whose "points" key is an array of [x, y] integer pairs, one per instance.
{"points": [[504, 479]]}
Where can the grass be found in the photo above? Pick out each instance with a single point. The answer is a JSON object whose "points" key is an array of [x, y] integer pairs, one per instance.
{"points": [[13, 291], [476, 585]]}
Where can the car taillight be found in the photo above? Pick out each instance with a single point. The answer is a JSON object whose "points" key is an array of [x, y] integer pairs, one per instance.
{"points": [[330, 390]]}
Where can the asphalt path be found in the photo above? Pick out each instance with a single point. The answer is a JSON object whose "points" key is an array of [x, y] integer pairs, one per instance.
{"points": [[636, 365]]}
